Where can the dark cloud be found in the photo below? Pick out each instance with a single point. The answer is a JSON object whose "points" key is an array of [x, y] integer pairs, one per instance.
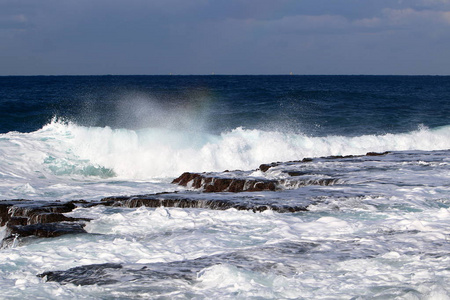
{"points": [[224, 36]]}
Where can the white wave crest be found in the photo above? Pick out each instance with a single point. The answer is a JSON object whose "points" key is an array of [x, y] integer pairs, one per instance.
{"points": [[68, 149]]}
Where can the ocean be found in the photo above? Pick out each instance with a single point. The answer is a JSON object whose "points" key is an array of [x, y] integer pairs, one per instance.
{"points": [[294, 187]]}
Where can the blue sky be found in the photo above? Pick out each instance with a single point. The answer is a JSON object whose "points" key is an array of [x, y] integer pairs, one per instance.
{"points": [[54, 37]]}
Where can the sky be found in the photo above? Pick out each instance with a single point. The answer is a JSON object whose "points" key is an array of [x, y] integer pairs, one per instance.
{"points": [[159, 37]]}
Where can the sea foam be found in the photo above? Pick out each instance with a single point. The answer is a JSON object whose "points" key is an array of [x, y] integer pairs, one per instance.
{"points": [[67, 149]]}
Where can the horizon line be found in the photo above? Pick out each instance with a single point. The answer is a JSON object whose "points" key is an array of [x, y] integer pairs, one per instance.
{"points": [[215, 74]]}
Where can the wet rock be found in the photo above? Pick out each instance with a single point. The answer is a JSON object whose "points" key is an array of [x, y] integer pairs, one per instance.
{"points": [[15, 234], [296, 173], [265, 167], [24, 218], [171, 200], [318, 181], [46, 229], [51, 218], [83, 275], [18, 212], [188, 177], [5, 209], [215, 184], [33, 208], [17, 221], [377, 153], [340, 156], [353, 156]]}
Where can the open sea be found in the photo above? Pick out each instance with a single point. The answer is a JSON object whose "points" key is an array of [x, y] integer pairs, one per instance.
{"points": [[360, 208]]}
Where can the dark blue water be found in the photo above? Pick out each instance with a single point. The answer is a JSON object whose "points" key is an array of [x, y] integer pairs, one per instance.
{"points": [[314, 105]]}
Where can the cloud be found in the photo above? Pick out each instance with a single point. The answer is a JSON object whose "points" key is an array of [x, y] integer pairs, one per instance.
{"points": [[411, 17], [224, 36], [389, 19]]}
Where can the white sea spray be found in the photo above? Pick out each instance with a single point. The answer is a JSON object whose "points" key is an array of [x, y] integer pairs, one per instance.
{"points": [[62, 154]]}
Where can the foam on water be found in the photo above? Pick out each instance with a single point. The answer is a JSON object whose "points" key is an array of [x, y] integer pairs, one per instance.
{"points": [[61, 149], [151, 153], [338, 255], [58, 159]]}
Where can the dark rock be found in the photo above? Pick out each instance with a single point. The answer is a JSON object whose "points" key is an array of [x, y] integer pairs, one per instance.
{"points": [[51, 218], [377, 153], [83, 275], [352, 156], [32, 208], [29, 209], [4, 214], [214, 184], [25, 218], [185, 178], [319, 181], [296, 173], [17, 221], [217, 204], [5, 209], [47, 229], [35, 212], [265, 167], [340, 156]]}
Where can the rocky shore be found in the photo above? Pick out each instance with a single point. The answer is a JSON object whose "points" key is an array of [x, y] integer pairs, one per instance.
{"points": [[24, 218], [43, 219]]}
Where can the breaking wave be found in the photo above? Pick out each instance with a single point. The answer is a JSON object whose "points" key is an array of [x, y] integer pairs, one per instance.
{"points": [[67, 149]]}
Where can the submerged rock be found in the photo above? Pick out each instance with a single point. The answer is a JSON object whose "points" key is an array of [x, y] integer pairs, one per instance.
{"points": [[83, 275], [188, 270]]}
